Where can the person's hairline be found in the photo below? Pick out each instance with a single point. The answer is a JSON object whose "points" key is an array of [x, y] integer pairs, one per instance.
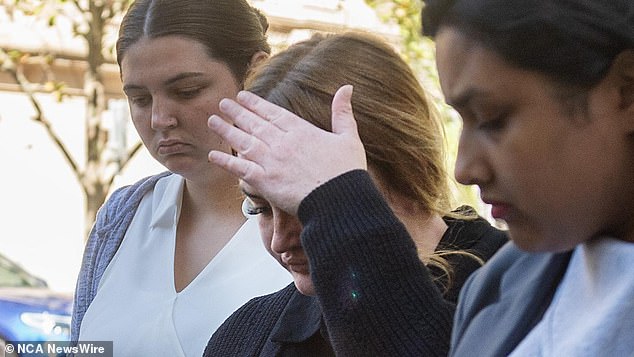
{"points": [[572, 97]]}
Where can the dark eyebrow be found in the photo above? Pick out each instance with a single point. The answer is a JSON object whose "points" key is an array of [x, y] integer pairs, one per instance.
{"points": [[183, 75], [168, 82], [129, 87], [463, 99]]}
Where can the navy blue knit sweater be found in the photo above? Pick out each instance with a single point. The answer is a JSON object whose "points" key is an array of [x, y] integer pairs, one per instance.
{"points": [[375, 296]]}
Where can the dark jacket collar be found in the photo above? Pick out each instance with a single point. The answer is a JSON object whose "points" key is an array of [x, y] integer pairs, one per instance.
{"points": [[300, 320]]}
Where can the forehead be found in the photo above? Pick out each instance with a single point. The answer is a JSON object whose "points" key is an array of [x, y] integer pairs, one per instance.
{"points": [[461, 64], [468, 69], [164, 56]]}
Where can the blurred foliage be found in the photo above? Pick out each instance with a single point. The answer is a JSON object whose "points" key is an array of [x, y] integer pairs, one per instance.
{"points": [[419, 52]]}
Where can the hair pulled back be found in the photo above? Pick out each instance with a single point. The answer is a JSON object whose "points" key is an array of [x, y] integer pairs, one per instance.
{"points": [[231, 30]]}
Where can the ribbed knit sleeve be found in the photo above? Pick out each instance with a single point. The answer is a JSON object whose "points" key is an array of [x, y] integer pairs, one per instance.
{"points": [[377, 297]]}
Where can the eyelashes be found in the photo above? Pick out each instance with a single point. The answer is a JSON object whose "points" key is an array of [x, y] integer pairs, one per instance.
{"points": [[250, 209]]}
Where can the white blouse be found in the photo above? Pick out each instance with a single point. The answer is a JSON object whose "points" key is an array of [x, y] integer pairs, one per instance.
{"points": [[137, 306]]}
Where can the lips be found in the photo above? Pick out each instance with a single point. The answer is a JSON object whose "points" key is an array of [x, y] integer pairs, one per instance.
{"points": [[296, 265], [170, 147], [300, 269], [499, 209]]}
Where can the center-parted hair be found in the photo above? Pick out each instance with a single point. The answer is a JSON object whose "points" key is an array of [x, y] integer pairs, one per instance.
{"points": [[398, 125], [231, 30]]}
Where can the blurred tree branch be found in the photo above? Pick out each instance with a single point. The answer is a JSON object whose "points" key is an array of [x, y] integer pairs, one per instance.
{"points": [[90, 21]]}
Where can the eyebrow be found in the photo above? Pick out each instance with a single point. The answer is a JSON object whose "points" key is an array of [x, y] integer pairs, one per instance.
{"points": [[168, 82], [183, 75], [251, 195], [463, 99]]}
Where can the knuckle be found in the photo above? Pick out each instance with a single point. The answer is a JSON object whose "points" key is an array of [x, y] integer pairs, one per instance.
{"points": [[248, 147]]}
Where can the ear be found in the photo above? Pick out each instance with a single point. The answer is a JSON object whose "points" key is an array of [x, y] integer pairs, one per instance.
{"points": [[258, 58], [623, 73], [624, 68]]}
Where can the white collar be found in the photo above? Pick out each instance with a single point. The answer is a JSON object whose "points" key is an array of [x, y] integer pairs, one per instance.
{"points": [[167, 200]]}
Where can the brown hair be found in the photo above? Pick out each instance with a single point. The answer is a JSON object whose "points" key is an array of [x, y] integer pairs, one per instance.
{"points": [[398, 126], [572, 42], [231, 30], [400, 129]]}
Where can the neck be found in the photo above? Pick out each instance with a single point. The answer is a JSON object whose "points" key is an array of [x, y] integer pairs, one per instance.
{"points": [[426, 229], [217, 195]]}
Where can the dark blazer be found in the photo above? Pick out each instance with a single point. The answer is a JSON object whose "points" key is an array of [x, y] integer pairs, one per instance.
{"points": [[501, 303]]}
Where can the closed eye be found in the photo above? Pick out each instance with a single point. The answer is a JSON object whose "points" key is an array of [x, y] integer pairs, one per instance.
{"points": [[250, 209], [188, 93], [140, 100], [494, 125]]}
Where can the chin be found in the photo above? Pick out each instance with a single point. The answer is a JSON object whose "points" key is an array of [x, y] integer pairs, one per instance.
{"points": [[540, 242], [304, 285], [181, 164]]}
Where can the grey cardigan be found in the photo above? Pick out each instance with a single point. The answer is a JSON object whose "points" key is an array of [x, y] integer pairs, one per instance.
{"points": [[113, 220]]}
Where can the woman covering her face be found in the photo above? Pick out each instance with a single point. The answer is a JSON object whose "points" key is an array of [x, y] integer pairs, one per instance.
{"points": [[170, 257], [402, 136]]}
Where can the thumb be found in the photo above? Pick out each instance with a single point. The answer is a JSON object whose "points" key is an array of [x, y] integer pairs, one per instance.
{"points": [[343, 121]]}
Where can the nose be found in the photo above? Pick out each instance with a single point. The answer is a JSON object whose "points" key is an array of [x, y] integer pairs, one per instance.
{"points": [[162, 116], [286, 232], [472, 167]]}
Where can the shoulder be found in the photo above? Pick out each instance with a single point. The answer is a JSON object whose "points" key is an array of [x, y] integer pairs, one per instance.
{"points": [[496, 269], [246, 331], [127, 197], [508, 268], [511, 267], [473, 233], [104, 239], [513, 285], [136, 190], [466, 240]]}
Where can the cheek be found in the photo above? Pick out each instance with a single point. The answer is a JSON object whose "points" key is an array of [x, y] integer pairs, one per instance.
{"points": [[141, 119], [210, 101], [266, 232], [195, 115]]}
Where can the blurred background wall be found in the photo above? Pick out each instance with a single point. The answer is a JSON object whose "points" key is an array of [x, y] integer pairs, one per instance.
{"points": [[43, 56]]}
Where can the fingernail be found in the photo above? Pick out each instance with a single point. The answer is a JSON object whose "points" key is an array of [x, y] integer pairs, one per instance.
{"points": [[223, 104], [242, 95], [212, 120]]}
